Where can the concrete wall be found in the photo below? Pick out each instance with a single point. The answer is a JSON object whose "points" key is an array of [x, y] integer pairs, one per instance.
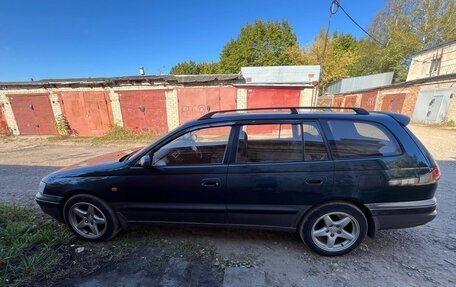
{"points": [[142, 108], [445, 56]]}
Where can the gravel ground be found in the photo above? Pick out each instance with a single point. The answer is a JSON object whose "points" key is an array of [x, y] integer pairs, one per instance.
{"points": [[24, 161], [420, 256]]}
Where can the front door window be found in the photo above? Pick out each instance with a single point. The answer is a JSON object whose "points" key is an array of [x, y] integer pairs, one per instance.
{"points": [[203, 146]]}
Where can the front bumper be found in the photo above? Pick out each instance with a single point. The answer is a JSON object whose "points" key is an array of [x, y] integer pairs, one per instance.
{"points": [[402, 214], [50, 204]]}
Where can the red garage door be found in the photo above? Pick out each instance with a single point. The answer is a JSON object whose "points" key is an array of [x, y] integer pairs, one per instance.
{"points": [[350, 101], [368, 101], [3, 125], [88, 113], [270, 97], [324, 102], [338, 101], [33, 114], [144, 111], [393, 103], [195, 102]]}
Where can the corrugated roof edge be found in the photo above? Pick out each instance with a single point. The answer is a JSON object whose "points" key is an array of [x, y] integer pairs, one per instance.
{"points": [[298, 85], [434, 47], [109, 81], [403, 84]]}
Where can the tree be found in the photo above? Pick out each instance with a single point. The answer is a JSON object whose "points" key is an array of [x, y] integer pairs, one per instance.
{"points": [[192, 68], [258, 44], [209, 68], [405, 27], [185, 68], [338, 61]]}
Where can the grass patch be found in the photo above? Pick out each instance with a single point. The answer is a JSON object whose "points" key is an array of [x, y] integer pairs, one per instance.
{"points": [[29, 244], [115, 135], [35, 250], [133, 239], [449, 123], [188, 248], [121, 134], [245, 261]]}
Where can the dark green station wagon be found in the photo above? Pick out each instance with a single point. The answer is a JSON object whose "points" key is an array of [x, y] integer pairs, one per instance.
{"points": [[331, 176]]}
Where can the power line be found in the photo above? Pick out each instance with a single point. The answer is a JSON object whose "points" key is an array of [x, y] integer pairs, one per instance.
{"points": [[336, 2], [332, 10]]}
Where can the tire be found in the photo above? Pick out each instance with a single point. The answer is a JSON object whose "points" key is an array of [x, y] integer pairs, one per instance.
{"points": [[334, 229], [90, 218]]}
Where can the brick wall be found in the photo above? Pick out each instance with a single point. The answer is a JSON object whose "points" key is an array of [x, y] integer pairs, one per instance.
{"points": [[399, 98], [93, 110]]}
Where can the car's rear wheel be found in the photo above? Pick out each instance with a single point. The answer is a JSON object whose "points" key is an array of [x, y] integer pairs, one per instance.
{"points": [[334, 229], [90, 218]]}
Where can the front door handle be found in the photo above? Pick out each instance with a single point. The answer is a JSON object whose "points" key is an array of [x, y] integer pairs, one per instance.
{"points": [[318, 180], [210, 182]]}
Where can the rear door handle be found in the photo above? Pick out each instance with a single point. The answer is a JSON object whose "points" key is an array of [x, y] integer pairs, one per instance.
{"points": [[319, 180], [210, 182]]}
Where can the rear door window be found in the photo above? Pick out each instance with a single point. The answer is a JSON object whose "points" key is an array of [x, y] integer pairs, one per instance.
{"points": [[269, 143], [314, 146], [361, 139]]}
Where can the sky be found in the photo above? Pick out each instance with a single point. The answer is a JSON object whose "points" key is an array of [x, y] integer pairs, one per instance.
{"points": [[97, 38]]}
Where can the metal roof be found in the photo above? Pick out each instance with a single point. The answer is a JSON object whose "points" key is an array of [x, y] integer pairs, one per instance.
{"points": [[440, 78], [299, 76], [434, 47], [161, 79], [281, 74], [360, 83]]}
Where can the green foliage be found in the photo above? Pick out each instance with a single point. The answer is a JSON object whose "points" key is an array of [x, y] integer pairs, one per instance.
{"points": [[209, 68], [245, 261], [258, 44], [405, 27], [115, 135], [62, 125], [449, 123], [185, 68], [29, 243], [192, 68], [119, 134], [338, 60]]}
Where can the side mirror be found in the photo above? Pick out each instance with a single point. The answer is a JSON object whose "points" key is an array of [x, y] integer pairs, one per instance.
{"points": [[146, 161]]}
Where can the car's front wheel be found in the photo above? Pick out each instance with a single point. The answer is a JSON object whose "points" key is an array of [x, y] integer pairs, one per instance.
{"points": [[334, 229], [90, 218]]}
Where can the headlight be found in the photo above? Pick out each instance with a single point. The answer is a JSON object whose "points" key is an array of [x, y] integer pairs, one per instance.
{"points": [[41, 187]]}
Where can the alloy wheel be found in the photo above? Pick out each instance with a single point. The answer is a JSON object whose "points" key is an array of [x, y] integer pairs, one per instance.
{"points": [[335, 231], [87, 220]]}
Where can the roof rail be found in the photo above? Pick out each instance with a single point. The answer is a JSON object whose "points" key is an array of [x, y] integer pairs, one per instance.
{"points": [[293, 110]]}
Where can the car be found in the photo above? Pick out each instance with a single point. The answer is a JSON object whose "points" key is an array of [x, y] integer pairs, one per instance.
{"points": [[333, 175]]}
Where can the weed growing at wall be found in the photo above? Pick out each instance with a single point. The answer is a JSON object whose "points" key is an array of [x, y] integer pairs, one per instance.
{"points": [[62, 126]]}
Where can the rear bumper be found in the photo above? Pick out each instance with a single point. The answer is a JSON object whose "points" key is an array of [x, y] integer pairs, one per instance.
{"points": [[50, 204], [402, 214]]}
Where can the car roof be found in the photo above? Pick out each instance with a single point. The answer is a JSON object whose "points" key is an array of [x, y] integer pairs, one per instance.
{"points": [[264, 116]]}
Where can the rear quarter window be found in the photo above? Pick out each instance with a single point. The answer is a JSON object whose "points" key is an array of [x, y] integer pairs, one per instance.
{"points": [[361, 139]]}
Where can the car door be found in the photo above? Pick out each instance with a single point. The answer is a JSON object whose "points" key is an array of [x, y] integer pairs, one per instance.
{"points": [[277, 171], [368, 161], [186, 183]]}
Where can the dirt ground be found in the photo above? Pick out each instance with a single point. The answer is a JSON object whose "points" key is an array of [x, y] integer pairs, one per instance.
{"points": [[420, 256]]}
